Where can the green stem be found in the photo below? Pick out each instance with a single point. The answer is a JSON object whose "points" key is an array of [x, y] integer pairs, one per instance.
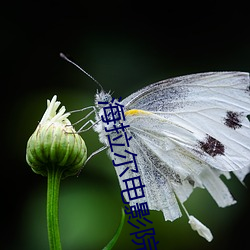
{"points": [[54, 177], [116, 236]]}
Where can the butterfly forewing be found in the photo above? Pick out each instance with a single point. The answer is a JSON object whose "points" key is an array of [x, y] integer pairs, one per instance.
{"points": [[210, 106]]}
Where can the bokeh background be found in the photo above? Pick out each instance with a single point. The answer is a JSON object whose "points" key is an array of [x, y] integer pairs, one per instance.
{"points": [[125, 45]]}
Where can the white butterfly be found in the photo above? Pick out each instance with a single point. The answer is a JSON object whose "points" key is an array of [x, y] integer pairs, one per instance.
{"points": [[186, 132]]}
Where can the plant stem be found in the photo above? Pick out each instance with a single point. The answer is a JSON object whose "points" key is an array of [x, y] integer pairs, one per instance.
{"points": [[117, 234], [54, 177]]}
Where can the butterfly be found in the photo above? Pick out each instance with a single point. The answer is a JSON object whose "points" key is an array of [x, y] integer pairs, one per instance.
{"points": [[186, 132]]}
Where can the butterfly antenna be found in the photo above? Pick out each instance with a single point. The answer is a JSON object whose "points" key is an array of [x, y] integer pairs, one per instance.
{"points": [[90, 76]]}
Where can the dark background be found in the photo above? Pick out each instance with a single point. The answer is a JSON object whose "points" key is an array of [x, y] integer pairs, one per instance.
{"points": [[125, 46]]}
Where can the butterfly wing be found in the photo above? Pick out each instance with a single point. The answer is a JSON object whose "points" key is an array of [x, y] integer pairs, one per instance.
{"points": [[212, 106], [194, 128], [168, 169]]}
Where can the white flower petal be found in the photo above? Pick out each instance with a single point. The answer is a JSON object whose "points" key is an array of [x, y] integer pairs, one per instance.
{"points": [[200, 228], [50, 114]]}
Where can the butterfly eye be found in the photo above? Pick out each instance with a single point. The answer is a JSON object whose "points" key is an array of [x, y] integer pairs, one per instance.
{"points": [[107, 98], [103, 98]]}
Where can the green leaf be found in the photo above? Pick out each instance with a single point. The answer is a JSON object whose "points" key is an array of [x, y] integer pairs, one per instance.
{"points": [[110, 245]]}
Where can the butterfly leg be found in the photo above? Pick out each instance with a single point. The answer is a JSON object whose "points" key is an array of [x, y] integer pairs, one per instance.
{"points": [[82, 128], [86, 116]]}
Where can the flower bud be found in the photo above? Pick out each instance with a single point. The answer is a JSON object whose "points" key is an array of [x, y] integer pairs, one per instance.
{"points": [[55, 144]]}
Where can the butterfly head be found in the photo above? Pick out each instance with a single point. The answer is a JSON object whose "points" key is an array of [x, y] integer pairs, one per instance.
{"points": [[102, 99]]}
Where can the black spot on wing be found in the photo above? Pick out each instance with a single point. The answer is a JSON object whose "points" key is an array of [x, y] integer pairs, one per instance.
{"points": [[233, 119], [212, 146], [190, 181], [248, 89]]}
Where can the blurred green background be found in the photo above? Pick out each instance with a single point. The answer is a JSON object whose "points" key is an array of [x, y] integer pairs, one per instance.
{"points": [[125, 46]]}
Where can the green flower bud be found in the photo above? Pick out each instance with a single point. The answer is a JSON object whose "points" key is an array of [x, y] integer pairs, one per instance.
{"points": [[55, 144]]}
